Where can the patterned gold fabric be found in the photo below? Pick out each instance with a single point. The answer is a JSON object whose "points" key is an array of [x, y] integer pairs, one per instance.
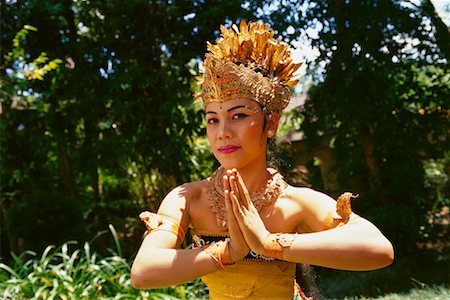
{"points": [[249, 279], [254, 277]]}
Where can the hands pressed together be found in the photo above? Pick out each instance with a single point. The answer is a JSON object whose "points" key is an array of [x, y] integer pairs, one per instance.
{"points": [[245, 226]]}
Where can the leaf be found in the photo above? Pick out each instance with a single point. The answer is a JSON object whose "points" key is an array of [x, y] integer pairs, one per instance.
{"points": [[9, 270], [29, 27]]}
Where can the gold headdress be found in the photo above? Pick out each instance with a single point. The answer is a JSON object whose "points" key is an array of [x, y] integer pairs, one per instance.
{"points": [[247, 62]]}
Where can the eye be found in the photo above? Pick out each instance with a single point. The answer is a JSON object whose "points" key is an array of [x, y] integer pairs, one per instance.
{"points": [[212, 120], [239, 116]]}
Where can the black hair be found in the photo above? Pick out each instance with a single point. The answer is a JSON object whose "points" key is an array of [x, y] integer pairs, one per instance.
{"points": [[304, 274], [272, 151], [306, 279]]}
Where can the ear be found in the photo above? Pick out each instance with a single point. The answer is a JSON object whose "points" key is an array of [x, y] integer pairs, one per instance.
{"points": [[272, 124]]}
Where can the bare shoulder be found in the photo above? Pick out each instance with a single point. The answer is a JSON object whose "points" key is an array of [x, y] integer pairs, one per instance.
{"points": [[184, 194], [177, 202], [308, 197]]}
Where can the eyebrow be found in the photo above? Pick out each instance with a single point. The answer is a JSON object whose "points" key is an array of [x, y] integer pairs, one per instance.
{"points": [[233, 108], [239, 106]]}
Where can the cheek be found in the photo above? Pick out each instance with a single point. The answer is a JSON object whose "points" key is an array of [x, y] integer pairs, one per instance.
{"points": [[254, 129], [208, 134]]}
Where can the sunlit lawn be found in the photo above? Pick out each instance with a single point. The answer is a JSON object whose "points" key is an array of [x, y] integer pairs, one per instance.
{"points": [[423, 276], [433, 292]]}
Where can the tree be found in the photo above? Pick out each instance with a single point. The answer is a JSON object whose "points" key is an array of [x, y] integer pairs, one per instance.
{"points": [[110, 129], [379, 106]]}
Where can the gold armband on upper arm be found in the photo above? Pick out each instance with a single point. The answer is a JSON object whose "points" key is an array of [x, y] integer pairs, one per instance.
{"points": [[343, 209], [155, 222]]}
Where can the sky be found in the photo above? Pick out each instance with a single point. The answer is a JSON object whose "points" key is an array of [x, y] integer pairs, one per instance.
{"points": [[444, 13]]}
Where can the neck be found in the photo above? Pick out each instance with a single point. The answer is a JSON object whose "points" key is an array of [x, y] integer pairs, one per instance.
{"points": [[255, 176]]}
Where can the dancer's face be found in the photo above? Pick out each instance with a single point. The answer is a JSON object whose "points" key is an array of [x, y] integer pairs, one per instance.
{"points": [[236, 133]]}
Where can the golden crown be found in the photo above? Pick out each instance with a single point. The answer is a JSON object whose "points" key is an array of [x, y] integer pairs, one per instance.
{"points": [[247, 62]]}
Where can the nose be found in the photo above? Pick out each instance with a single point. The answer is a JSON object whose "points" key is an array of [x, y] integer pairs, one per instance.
{"points": [[225, 131]]}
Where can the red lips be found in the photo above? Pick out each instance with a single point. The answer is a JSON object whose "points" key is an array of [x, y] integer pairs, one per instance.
{"points": [[228, 149]]}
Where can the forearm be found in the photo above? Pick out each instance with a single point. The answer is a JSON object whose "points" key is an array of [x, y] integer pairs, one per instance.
{"points": [[336, 249], [356, 246], [155, 267]]}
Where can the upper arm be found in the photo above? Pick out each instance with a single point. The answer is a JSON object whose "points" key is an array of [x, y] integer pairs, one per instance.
{"points": [[316, 208], [319, 207], [174, 206]]}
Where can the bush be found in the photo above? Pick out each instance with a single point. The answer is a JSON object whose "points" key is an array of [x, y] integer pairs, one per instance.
{"points": [[69, 272], [399, 223], [44, 217]]}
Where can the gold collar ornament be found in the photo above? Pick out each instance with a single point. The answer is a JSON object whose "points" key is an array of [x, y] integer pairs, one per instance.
{"points": [[247, 62], [275, 185]]}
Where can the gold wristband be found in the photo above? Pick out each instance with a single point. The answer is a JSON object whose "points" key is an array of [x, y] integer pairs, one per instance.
{"points": [[275, 244], [220, 252]]}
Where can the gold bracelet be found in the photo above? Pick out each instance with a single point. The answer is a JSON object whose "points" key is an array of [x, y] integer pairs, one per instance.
{"points": [[275, 244], [155, 222], [220, 252]]}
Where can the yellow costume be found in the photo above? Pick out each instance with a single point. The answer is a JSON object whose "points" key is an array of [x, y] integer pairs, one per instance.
{"points": [[254, 277]]}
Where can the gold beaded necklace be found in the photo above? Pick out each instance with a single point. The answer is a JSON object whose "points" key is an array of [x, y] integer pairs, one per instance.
{"points": [[261, 198]]}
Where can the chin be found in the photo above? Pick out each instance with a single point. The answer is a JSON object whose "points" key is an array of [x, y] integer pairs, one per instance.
{"points": [[229, 164]]}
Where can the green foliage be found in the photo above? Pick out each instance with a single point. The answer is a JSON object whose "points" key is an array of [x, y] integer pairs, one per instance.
{"points": [[437, 181], [378, 109], [35, 69], [33, 221], [115, 127], [69, 272], [435, 228]]}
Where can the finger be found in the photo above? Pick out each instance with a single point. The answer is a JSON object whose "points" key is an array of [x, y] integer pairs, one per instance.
{"points": [[233, 224], [226, 183], [233, 174], [227, 199], [233, 186], [236, 205], [245, 197], [235, 189], [229, 174], [229, 208]]}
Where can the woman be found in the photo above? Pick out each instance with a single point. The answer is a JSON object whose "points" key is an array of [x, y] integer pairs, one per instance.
{"points": [[250, 227]]}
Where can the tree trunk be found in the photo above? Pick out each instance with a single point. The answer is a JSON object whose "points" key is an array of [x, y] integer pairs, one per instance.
{"points": [[442, 31], [90, 156], [66, 172]]}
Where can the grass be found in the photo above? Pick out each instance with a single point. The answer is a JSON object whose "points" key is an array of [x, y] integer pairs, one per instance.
{"points": [[67, 272], [74, 271], [438, 292], [419, 276]]}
